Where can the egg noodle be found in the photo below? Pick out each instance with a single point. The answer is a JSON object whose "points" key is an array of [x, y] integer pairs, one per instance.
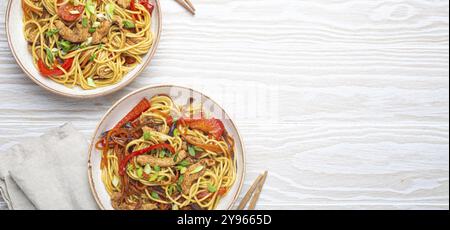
{"points": [[159, 157], [87, 43]]}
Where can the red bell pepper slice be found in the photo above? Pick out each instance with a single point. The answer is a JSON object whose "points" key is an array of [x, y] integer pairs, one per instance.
{"points": [[133, 5], [212, 126], [147, 5], [150, 7], [222, 191], [55, 71], [125, 161], [143, 106]]}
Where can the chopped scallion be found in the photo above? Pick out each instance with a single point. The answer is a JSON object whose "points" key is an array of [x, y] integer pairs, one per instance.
{"points": [[51, 32], [155, 195], [198, 169], [147, 169], [91, 82], [147, 136], [129, 25], [84, 22], [191, 151], [139, 172], [184, 163], [50, 56], [93, 57], [211, 188]]}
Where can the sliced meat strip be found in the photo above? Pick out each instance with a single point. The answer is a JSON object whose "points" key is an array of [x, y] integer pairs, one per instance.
{"points": [[135, 40], [184, 146], [196, 141], [190, 178], [101, 32], [116, 196], [75, 35], [148, 207], [124, 3], [162, 162], [115, 202], [123, 206]]}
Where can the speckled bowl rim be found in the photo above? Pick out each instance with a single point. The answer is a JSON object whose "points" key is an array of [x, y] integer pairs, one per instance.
{"points": [[93, 141], [122, 84]]}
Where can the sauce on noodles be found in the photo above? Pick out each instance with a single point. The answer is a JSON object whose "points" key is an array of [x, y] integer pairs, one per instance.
{"points": [[165, 156], [87, 43]]}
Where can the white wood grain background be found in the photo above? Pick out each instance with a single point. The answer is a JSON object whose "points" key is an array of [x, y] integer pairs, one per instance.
{"points": [[358, 91]]}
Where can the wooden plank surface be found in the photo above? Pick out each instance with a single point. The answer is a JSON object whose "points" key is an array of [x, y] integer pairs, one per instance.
{"points": [[345, 102]]}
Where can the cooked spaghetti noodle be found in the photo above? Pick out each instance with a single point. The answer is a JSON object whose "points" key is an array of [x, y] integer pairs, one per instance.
{"points": [[87, 43], [167, 157]]}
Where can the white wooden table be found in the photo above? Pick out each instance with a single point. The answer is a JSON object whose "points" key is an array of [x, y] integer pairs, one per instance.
{"points": [[357, 92]]}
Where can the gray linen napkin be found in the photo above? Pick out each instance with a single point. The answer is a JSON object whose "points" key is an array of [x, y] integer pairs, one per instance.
{"points": [[47, 172]]}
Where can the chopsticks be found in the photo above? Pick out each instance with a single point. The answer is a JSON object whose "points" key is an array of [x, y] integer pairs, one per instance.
{"points": [[187, 4], [254, 190]]}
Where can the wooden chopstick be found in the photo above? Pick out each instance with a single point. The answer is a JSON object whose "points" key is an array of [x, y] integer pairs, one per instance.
{"points": [[190, 4], [249, 193], [255, 198], [186, 5], [257, 185]]}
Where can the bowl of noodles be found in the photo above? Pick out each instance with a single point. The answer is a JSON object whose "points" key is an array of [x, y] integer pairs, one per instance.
{"points": [[83, 48], [166, 148]]}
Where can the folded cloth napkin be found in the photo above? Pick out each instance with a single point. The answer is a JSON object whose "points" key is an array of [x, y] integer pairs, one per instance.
{"points": [[47, 172]]}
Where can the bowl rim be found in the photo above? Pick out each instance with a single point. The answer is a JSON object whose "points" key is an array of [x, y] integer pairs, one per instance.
{"points": [[143, 67], [94, 135]]}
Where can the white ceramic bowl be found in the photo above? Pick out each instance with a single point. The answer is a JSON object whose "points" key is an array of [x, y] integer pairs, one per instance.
{"points": [[18, 45], [180, 95]]}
